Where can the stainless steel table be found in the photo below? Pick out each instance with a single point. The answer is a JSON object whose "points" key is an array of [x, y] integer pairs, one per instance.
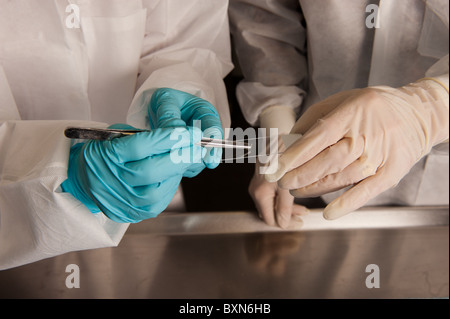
{"points": [[235, 255]]}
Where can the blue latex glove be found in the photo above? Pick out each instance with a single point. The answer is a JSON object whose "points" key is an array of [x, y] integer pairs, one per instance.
{"points": [[131, 178], [173, 108]]}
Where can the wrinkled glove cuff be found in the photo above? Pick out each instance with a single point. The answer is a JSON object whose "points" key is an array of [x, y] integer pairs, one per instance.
{"points": [[278, 116], [437, 93], [72, 184]]}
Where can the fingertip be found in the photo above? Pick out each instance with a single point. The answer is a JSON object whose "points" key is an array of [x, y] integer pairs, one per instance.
{"points": [[333, 211], [212, 165], [212, 157], [274, 177], [266, 216], [327, 216], [193, 170], [297, 220], [299, 210], [283, 220], [292, 222], [271, 178]]}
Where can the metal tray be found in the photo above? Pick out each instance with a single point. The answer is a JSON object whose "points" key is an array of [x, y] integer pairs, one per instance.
{"points": [[381, 252]]}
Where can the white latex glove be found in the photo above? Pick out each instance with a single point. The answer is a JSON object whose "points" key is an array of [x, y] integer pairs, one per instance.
{"points": [[369, 138], [275, 206]]}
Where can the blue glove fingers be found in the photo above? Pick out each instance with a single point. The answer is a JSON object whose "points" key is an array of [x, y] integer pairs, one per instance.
{"points": [[197, 109], [213, 155], [190, 109], [122, 126], [194, 170], [157, 168], [169, 106], [100, 176], [132, 205], [203, 112], [164, 109], [145, 144], [95, 170], [149, 196]]}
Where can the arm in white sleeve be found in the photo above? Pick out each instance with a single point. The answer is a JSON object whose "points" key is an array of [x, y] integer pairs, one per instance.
{"points": [[188, 51], [38, 220], [270, 43], [182, 50]]}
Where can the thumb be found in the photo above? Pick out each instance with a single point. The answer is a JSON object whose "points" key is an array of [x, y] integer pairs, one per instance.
{"points": [[213, 155], [144, 144]]}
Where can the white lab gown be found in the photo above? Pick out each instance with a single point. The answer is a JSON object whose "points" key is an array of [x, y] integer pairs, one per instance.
{"points": [[55, 73], [294, 53]]}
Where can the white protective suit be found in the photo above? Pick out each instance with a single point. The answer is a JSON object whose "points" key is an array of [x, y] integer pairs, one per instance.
{"points": [[56, 72], [294, 53]]}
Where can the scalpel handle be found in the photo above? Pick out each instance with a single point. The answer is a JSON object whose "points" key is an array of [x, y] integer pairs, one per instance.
{"points": [[106, 134]]}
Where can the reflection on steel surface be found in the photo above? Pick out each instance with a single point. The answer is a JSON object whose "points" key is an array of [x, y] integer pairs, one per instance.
{"points": [[235, 255], [244, 222]]}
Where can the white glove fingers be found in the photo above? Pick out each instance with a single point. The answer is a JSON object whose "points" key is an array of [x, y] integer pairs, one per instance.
{"points": [[264, 199], [325, 132], [322, 135], [266, 210], [360, 194], [284, 203], [352, 174], [299, 210], [330, 161]]}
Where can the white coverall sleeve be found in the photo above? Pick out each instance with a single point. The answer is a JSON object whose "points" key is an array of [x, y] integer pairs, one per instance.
{"points": [[270, 44], [37, 219], [433, 43], [186, 48], [194, 56]]}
